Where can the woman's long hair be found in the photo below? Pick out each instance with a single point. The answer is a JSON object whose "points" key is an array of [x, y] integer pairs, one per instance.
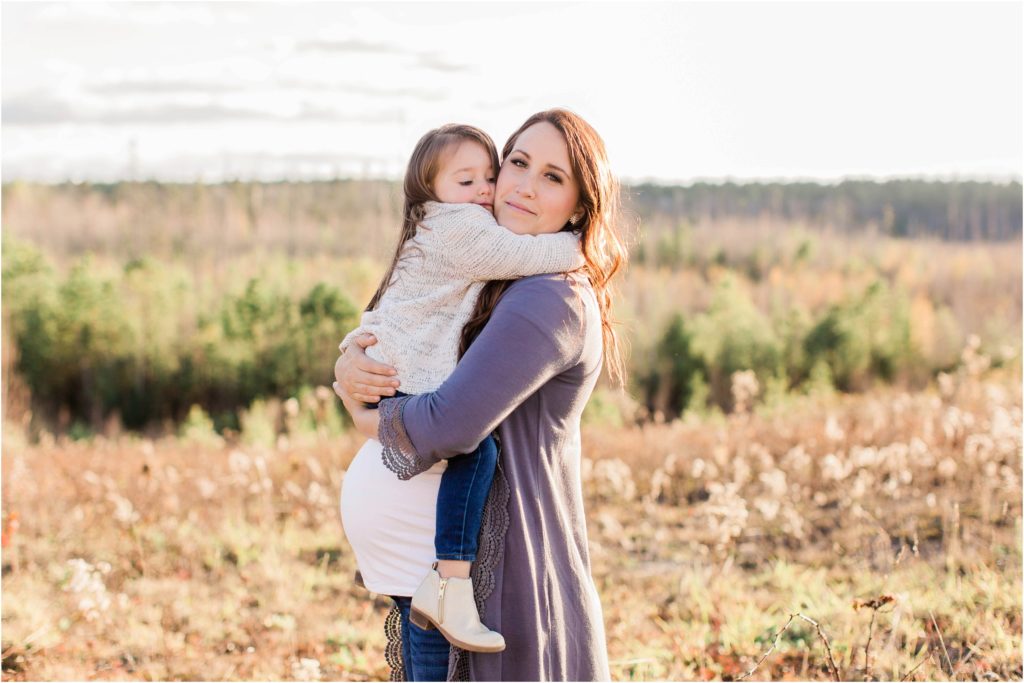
{"points": [[419, 183], [604, 251]]}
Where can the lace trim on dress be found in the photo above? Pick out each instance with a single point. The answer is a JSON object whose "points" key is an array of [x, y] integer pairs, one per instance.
{"points": [[491, 548], [393, 649], [398, 454]]}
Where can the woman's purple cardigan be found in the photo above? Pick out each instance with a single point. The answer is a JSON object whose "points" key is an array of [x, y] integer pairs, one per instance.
{"points": [[528, 374]]}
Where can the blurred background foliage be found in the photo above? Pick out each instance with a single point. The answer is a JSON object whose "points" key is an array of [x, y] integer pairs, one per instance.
{"points": [[204, 308]]}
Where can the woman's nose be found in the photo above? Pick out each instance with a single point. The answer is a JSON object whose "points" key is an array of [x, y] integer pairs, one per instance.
{"points": [[525, 187]]}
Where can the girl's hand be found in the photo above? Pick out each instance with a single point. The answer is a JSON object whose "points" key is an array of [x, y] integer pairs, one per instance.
{"points": [[366, 420], [361, 377]]}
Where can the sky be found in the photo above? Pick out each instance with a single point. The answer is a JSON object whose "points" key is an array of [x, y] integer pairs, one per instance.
{"points": [[679, 91]]}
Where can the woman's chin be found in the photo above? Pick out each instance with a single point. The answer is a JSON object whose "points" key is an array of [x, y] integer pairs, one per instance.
{"points": [[514, 223]]}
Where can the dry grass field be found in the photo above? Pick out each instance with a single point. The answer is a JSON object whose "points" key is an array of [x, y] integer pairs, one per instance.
{"points": [[891, 520], [788, 532]]}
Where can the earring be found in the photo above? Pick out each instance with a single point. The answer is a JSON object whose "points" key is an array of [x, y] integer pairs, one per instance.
{"points": [[574, 219]]}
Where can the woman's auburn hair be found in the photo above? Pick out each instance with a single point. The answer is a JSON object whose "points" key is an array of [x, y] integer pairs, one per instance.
{"points": [[418, 186], [604, 251]]}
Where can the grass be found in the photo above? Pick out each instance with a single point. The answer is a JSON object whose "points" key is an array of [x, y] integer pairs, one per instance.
{"points": [[209, 562]]}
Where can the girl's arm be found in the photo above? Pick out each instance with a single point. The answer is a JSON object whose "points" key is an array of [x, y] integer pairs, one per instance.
{"points": [[476, 246], [535, 333]]}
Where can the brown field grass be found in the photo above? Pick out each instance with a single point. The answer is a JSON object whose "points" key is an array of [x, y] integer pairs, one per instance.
{"points": [[133, 559]]}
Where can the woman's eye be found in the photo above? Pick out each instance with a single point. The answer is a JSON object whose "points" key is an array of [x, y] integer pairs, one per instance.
{"points": [[555, 178], [518, 162]]}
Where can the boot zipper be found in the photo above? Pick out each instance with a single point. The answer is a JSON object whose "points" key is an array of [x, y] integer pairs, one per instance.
{"points": [[440, 600]]}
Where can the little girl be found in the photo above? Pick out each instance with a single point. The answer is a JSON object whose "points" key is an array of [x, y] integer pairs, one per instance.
{"points": [[449, 248]]}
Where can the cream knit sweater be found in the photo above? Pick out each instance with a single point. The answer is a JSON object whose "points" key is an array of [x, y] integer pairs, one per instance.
{"points": [[441, 270]]}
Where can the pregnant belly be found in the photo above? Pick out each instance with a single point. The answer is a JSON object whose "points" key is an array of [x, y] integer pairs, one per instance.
{"points": [[389, 522]]}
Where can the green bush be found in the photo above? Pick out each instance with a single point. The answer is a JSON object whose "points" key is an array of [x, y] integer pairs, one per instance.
{"points": [[136, 341], [678, 369], [732, 335], [863, 338]]}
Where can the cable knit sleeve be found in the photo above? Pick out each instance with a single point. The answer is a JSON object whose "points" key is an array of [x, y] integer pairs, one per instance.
{"points": [[474, 245], [534, 334]]}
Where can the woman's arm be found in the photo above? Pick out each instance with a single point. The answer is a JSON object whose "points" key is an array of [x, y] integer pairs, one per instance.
{"points": [[366, 420], [535, 333]]}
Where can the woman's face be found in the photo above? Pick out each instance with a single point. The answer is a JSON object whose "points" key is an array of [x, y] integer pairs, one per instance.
{"points": [[536, 191]]}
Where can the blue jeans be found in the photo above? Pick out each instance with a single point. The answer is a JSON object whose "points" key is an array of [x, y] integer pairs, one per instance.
{"points": [[424, 653], [460, 500]]}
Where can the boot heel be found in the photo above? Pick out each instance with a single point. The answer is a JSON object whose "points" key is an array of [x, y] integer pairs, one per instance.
{"points": [[418, 618]]}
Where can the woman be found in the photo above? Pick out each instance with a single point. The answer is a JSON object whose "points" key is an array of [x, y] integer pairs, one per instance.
{"points": [[534, 358]]}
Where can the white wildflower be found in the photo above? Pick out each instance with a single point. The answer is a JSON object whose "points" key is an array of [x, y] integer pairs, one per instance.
{"points": [[775, 481], [834, 468], [724, 514], [768, 508], [833, 432], [86, 582], [206, 488], [124, 511], [697, 468], [306, 669], [317, 495], [947, 468], [612, 479], [744, 389], [239, 462]]}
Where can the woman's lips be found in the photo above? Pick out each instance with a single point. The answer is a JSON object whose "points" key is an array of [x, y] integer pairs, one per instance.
{"points": [[519, 208]]}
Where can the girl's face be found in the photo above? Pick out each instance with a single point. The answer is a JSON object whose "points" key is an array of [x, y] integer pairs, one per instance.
{"points": [[536, 192], [466, 176]]}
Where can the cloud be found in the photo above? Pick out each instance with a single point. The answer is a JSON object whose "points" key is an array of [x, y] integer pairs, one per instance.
{"points": [[153, 13], [182, 87], [435, 63], [35, 109], [348, 46], [41, 110], [157, 87], [427, 95], [424, 60]]}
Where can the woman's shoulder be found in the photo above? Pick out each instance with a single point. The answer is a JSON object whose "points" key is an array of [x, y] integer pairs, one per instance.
{"points": [[553, 295]]}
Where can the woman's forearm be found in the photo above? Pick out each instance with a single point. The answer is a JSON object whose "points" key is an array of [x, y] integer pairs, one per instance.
{"points": [[366, 420], [533, 335]]}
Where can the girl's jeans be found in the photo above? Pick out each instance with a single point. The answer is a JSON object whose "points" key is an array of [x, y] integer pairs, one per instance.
{"points": [[460, 500], [424, 653]]}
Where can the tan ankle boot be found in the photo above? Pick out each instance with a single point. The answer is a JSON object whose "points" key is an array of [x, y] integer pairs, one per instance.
{"points": [[448, 606]]}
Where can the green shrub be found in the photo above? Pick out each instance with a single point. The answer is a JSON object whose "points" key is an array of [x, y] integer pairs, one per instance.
{"points": [[137, 342], [668, 386], [862, 338], [732, 335]]}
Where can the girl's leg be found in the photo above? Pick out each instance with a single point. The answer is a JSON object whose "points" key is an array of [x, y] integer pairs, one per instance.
{"points": [[445, 598], [429, 651], [460, 507]]}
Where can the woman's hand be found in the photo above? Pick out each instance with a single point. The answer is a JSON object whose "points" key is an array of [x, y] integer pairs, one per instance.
{"points": [[360, 380], [361, 377], [366, 420]]}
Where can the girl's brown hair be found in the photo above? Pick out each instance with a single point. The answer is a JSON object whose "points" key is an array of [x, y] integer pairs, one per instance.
{"points": [[419, 183], [604, 250]]}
